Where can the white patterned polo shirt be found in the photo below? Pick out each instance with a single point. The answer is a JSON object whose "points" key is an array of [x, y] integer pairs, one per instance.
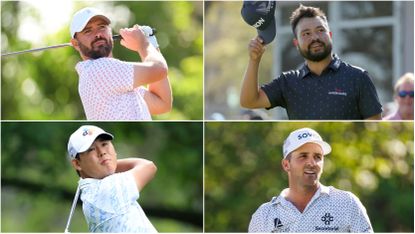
{"points": [[107, 92], [329, 210], [110, 205]]}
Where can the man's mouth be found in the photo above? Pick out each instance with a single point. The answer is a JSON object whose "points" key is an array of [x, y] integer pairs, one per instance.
{"points": [[99, 43], [309, 172], [105, 161], [316, 45]]}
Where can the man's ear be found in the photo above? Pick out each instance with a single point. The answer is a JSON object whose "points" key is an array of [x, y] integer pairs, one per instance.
{"points": [[331, 35], [285, 165], [75, 44], [295, 42], [76, 165]]}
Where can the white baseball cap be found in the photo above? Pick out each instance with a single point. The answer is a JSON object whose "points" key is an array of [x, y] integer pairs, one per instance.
{"points": [[302, 136], [83, 138], [81, 18]]}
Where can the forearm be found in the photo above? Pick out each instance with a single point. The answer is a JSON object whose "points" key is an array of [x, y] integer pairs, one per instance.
{"points": [[250, 89], [159, 98], [153, 68], [155, 59], [130, 163]]}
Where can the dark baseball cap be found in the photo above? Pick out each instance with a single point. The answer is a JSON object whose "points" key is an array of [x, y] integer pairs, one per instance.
{"points": [[260, 15]]}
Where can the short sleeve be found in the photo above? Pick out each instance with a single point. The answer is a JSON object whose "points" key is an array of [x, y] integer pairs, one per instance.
{"points": [[359, 219], [369, 104], [274, 92]]}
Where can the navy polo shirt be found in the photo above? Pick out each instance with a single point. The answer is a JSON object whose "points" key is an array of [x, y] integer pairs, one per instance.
{"points": [[341, 92]]}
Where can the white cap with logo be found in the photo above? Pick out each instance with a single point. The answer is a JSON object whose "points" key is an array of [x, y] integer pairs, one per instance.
{"points": [[302, 136], [81, 18], [83, 138]]}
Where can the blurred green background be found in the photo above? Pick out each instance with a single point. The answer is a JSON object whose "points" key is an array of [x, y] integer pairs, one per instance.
{"points": [[38, 183], [375, 161], [44, 85]]}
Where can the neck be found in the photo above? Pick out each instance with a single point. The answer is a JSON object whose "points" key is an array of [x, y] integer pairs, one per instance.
{"points": [[318, 67], [301, 196]]}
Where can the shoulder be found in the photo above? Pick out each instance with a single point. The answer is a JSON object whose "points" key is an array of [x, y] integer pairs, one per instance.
{"points": [[341, 196], [344, 66], [265, 207]]}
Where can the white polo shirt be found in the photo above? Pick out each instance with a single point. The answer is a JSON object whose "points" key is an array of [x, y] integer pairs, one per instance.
{"points": [[329, 210], [107, 92], [110, 205]]}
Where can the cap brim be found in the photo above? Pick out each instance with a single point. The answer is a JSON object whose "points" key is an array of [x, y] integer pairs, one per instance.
{"points": [[88, 144], [81, 27], [324, 146], [269, 33]]}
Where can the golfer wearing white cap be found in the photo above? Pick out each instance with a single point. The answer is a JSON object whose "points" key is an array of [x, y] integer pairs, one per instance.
{"points": [[111, 89], [307, 205], [109, 187]]}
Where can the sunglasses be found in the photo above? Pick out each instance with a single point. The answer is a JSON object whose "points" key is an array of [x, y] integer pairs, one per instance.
{"points": [[404, 93]]}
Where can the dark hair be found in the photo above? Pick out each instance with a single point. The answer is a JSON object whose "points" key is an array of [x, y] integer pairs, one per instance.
{"points": [[305, 12]]}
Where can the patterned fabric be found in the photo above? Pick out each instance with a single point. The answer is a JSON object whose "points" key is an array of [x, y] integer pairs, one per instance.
{"points": [[330, 210], [110, 205], [341, 92], [107, 92]]}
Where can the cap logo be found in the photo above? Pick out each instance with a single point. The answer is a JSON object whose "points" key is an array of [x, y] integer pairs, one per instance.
{"points": [[304, 135], [259, 23], [87, 132]]}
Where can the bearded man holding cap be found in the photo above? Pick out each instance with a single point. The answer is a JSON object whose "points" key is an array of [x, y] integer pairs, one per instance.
{"points": [[323, 88], [111, 89], [307, 205]]}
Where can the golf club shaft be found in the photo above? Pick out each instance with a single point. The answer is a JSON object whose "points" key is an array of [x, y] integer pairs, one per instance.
{"points": [[75, 201], [115, 37]]}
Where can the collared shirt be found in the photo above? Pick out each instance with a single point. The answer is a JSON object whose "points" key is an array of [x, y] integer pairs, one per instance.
{"points": [[107, 92], [110, 205], [329, 210], [341, 92]]}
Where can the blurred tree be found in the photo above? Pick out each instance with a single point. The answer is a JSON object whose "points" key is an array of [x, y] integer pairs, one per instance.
{"points": [[375, 161], [43, 85], [38, 182]]}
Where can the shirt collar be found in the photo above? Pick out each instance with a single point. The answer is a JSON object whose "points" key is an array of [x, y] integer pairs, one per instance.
{"points": [[334, 65], [321, 191]]}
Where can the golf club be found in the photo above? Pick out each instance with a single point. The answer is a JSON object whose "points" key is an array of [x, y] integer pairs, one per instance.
{"points": [[75, 201], [115, 37]]}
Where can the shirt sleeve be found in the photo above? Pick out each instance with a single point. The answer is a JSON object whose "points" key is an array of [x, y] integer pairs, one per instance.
{"points": [[359, 219], [369, 104], [274, 92]]}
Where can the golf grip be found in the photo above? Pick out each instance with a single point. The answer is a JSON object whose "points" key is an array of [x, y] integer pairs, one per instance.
{"points": [[118, 37]]}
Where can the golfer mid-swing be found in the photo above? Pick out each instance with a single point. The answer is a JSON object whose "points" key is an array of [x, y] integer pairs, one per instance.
{"points": [[111, 89], [109, 187], [307, 205]]}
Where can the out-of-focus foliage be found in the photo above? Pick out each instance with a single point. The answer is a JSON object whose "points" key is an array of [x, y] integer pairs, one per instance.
{"points": [[44, 85], [36, 174], [375, 161]]}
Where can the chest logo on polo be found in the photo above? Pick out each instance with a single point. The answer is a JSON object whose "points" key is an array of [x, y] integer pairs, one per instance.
{"points": [[327, 219], [338, 92], [278, 226]]}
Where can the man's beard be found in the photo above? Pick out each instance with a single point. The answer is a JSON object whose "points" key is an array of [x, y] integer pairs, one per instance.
{"points": [[96, 52], [316, 57]]}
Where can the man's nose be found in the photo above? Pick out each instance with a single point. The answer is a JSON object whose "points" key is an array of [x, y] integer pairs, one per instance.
{"points": [[101, 152]]}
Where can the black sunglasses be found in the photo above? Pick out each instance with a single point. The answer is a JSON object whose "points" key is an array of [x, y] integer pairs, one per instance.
{"points": [[404, 93]]}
